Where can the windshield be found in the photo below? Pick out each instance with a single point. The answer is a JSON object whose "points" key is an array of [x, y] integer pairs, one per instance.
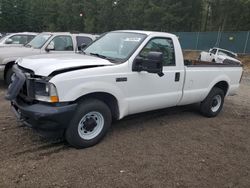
{"points": [[3, 38], [38, 41], [116, 45]]}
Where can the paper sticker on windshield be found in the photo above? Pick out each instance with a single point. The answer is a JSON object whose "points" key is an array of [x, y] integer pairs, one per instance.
{"points": [[134, 39]]}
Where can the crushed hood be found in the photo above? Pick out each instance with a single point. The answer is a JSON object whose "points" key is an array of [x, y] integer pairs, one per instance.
{"points": [[45, 65]]}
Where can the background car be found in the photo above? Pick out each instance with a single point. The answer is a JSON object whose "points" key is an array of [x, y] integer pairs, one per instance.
{"points": [[16, 39], [44, 43], [218, 55]]}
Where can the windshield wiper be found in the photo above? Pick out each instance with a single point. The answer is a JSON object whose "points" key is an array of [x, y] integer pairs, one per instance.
{"points": [[28, 45], [99, 55], [112, 60]]}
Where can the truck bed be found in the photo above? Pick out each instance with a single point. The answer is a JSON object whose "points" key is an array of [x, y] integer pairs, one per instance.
{"points": [[201, 76], [226, 63]]}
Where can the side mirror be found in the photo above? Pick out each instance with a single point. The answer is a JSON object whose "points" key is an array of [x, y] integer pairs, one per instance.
{"points": [[153, 63], [50, 47], [8, 41]]}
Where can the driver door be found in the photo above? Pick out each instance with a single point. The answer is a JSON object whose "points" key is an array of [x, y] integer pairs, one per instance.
{"points": [[147, 91]]}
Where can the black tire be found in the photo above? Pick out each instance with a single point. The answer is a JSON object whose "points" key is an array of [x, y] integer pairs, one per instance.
{"points": [[8, 76], [212, 105], [75, 137]]}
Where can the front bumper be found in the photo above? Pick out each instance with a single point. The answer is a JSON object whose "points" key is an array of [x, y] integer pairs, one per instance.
{"points": [[44, 116], [2, 67]]}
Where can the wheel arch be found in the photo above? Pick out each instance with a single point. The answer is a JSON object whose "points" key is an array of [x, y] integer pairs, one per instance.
{"points": [[109, 99], [222, 85]]}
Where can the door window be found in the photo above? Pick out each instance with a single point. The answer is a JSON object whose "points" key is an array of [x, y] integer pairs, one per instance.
{"points": [[163, 45], [62, 43]]}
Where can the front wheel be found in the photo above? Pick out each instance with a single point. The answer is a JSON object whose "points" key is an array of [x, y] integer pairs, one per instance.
{"points": [[8, 76], [213, 103], [89, 124]]}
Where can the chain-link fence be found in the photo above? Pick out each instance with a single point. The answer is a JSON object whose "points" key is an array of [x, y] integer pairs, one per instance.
{"points": [[238, 42]]}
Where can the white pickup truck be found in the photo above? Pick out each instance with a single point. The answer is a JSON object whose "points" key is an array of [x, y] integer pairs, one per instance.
{"points": [[121, 73], [44, 43], [218, 55]]}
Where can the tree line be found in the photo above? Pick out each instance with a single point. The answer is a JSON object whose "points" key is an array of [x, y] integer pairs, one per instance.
{"points": [[97, 16]]}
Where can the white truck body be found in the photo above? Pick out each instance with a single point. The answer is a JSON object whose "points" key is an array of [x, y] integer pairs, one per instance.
{"points": [[194, 85], [77, 76]]}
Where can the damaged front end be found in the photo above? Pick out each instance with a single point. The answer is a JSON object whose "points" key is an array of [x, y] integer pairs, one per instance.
{"points": [[30, 87], [35, 102]]}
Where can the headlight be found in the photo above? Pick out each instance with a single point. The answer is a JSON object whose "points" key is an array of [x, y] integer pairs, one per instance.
{"points": [[45, 91]]}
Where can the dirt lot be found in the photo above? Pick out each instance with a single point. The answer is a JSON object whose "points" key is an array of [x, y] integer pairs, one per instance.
{"points": [[174, 147]]}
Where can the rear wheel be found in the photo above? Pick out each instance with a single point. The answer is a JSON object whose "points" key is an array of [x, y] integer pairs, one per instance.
{"points": [[89, 124], [213, 103]]}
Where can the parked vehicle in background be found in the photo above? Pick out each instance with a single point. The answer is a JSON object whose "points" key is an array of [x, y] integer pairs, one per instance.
{"points": [[218, 55], [16, 39], [121, 73], [44, 43]]}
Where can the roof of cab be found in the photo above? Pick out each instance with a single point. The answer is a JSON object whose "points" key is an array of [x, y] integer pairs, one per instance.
{"points": [[144, 32], [22, 33], [93, 36], [225, 50]]}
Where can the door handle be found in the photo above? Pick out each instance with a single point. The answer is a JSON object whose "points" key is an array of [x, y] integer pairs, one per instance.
{"points": [[177, 76]]}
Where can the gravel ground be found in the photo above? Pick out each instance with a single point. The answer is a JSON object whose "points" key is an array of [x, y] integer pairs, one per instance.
{"points": [[175, 147]]}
